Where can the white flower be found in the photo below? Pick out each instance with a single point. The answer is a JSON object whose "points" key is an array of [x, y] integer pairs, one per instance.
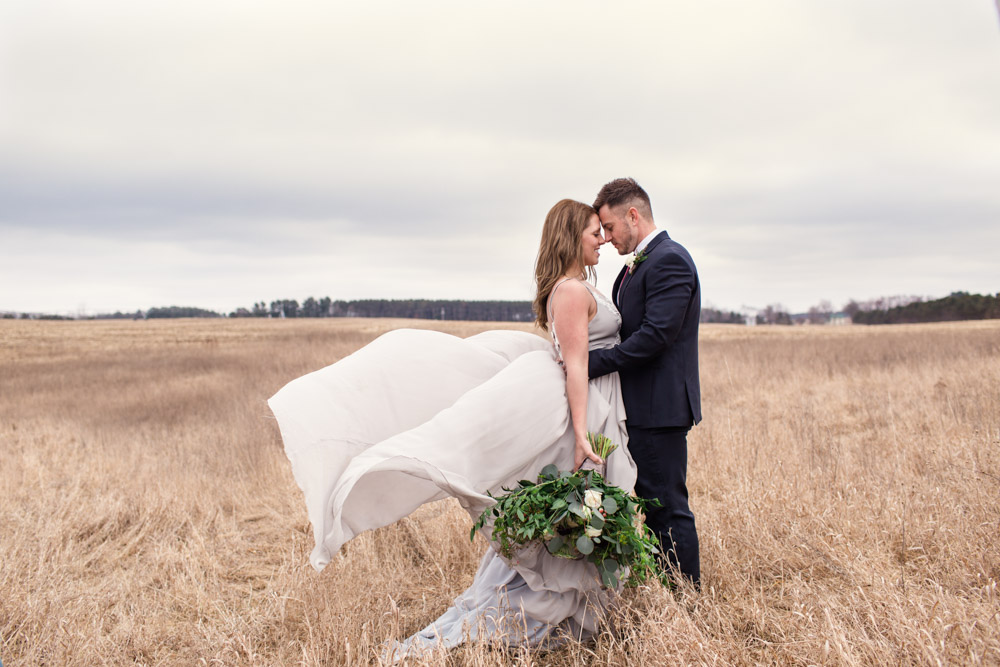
{"points": [[592, 532], [592, 498], [586, 512]]}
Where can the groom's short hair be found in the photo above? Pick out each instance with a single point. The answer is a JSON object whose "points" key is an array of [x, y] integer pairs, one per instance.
{"points": [[624, 191]]}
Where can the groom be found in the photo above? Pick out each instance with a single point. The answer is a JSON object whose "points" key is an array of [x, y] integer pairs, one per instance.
{"points": [[660, 302]]}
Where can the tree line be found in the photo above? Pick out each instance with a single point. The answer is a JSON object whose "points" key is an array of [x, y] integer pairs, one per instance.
{"points": [[425, 309], [883, 310], [955, 306]]}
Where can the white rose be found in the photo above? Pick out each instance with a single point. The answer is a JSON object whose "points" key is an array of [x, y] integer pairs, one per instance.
{"points": [[592, 498], [587, 512], [592, 532]]}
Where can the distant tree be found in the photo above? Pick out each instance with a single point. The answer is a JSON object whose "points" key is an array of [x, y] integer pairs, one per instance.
{"points": [[241, 312], [851, 308], [285, 308], [310, 308], [774, 313], [260, 309], [711, 315], [324, 307], [820, 313]]}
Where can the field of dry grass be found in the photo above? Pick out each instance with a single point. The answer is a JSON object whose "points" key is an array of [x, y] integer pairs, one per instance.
{"points": [[846, 483]]}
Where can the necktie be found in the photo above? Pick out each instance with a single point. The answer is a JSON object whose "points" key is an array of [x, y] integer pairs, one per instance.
{"points": [[625, 281]]}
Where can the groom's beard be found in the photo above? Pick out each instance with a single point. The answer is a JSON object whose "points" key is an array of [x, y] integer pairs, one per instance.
{"points": [[627, 243]]}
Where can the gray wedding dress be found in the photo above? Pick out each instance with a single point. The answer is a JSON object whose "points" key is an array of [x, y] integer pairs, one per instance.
{"points": [[418, 416]]}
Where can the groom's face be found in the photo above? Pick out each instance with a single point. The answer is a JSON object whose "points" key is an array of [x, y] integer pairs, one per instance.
{"points": [[617, 229]]}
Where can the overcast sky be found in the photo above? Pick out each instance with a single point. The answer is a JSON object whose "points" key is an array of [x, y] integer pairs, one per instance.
{"points": [[215, 154]]}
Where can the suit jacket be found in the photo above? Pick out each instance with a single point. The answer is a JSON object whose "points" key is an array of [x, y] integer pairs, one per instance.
{"points": [[660, 304]]}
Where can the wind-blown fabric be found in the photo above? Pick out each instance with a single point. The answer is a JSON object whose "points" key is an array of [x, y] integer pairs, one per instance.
{"points": [[418, 416]]}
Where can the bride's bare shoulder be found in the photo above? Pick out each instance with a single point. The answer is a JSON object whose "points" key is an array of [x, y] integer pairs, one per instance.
{"points": [[572, 296]]}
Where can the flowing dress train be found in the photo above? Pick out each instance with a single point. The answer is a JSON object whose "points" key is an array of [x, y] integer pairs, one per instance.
{"points": [[418, 416]]}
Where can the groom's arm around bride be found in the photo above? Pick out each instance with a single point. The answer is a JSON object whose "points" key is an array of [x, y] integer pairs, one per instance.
{"points": [[659, 298]]}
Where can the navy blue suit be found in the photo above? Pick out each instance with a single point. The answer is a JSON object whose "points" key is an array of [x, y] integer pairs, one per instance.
{"points": [[660, 304]]}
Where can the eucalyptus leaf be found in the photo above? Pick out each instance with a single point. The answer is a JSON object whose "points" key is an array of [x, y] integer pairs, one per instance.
{"points": [[584, 545], [609, 505], [555, 544]]}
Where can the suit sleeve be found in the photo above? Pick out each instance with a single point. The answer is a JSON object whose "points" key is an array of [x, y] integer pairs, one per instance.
{"points": [[669, 284]]}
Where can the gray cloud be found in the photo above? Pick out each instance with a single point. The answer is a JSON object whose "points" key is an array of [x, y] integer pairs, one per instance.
{"points": [[801, 151]]}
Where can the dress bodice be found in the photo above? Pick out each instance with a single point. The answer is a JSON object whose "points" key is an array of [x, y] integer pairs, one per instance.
{"points": [[602, 331]]}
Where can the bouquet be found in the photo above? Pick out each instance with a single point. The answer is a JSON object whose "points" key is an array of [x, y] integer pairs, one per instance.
{"points": [[577, 515]]}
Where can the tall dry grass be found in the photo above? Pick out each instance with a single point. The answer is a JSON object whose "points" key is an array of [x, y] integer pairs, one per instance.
{"points": [[846, 484]]}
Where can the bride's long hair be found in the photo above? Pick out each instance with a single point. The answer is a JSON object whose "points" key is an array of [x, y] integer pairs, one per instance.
{"points": [[560, 252]]}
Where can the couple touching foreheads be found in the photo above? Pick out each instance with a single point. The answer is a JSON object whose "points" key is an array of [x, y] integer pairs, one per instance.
{"points": [[418, 416]]}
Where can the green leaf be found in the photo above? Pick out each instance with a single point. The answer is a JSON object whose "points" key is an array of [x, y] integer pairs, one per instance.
{"points": [[550, 470], [559, 504], [609, 579], [597, 522], [555, 544], [584, 545], [525, 483], [609, 505]]}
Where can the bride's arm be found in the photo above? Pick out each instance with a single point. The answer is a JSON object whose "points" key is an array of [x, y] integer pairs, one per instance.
{"points": [[571, 313]]}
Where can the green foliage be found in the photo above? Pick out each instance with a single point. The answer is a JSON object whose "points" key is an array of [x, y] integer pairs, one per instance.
{"points": [[577, 515]]}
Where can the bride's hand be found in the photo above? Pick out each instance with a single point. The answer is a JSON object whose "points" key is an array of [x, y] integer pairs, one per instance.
{"points": [[583, 452]]}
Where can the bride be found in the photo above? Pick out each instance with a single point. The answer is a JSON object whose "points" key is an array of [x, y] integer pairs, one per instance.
{"points": [[419, 416]]}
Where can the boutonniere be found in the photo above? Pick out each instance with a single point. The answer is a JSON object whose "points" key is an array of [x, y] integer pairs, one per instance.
{"points": [[636, 260]]}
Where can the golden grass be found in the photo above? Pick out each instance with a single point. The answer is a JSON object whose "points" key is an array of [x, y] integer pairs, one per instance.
{"points": [[846, 483]]}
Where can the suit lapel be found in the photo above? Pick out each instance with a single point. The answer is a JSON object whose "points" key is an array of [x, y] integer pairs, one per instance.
{"points": [[624, 278], [617, 287]]}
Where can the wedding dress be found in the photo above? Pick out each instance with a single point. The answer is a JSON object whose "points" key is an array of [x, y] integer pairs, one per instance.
{"points": [[418, 416]]}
